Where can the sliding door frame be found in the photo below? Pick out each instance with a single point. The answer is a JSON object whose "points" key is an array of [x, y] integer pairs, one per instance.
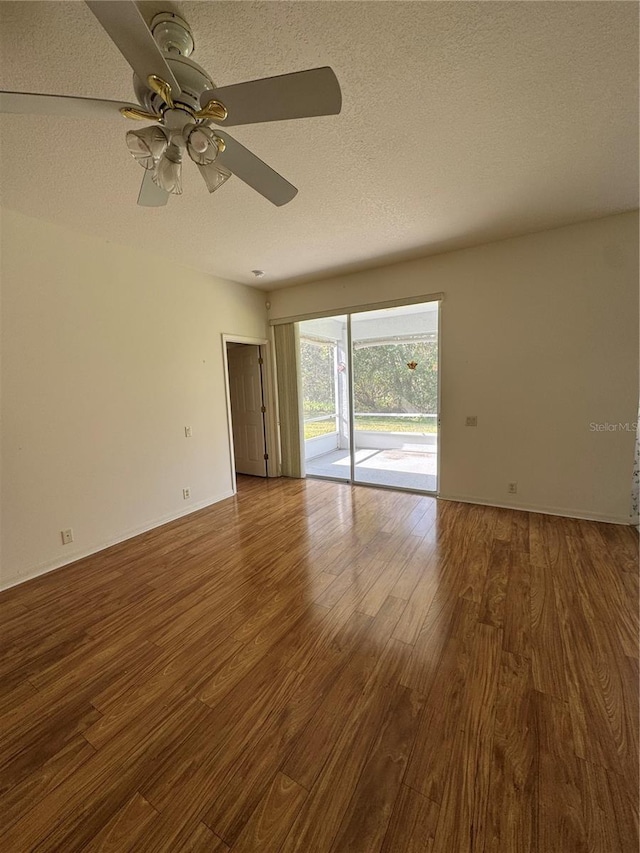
{"points": [[352, 420], [363, 309], [353, 480]]}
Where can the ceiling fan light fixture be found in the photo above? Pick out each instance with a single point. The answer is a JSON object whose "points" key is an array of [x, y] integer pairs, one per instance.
{"points": [[203, 145], [168, 171], [176, 92], [147, 146]]}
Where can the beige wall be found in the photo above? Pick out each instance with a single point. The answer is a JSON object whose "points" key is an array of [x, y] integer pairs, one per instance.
{"points": [[539, 340], [107, 355]]}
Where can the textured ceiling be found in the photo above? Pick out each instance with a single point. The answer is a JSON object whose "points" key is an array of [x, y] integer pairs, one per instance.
{"points": [[461, 123]]}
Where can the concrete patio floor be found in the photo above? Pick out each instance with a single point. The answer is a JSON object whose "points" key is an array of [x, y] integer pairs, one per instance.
{"points": [[414, 469]]}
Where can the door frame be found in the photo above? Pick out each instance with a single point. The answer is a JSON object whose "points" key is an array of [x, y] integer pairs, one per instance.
{"points": [[264, 347]]}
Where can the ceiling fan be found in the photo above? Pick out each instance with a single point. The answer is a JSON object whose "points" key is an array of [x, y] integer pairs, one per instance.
{"points": [[180, 98]]}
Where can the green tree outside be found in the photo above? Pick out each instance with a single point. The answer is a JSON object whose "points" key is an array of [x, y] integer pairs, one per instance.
{"points": [[383, 384]]}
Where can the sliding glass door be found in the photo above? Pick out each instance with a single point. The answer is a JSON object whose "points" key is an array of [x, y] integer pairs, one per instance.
{"points": [[395, 396], [325, 393], [370, 391]]}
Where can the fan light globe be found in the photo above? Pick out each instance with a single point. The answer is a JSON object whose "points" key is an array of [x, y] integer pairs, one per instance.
{"points": [[199, 141], [168, 171], [202, 145], [214, 176], [146, 146]]}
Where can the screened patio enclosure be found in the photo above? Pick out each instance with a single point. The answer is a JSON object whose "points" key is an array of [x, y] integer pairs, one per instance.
{"points": [[370, 396]]}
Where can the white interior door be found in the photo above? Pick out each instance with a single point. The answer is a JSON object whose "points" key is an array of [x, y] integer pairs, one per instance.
{"points": [[247, 416]]}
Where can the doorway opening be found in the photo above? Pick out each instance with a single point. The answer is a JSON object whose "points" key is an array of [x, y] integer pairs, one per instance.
{"points": [[370, 385], [247, 408]]}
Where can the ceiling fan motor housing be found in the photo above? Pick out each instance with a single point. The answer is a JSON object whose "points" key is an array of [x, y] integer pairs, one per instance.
{"points": [[174, 38], [172, 34]]}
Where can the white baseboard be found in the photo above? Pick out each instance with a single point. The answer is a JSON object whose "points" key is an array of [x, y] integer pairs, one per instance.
{"points": [[545, 510], [50, 566]]}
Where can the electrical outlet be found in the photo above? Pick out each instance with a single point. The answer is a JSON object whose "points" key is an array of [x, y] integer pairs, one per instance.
{"points": [[67, 536], [187, 432], [512, 488], [472, 420], [186, 494]]}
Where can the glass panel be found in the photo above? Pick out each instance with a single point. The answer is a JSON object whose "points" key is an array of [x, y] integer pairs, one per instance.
{"points": [[325, 394], [395, 396]]}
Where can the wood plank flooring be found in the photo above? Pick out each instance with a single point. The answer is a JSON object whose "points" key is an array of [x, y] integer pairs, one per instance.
{"points": [[314, 667]]}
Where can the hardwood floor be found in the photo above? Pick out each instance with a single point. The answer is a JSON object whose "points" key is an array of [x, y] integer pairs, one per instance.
{"points": [[316, 667]]}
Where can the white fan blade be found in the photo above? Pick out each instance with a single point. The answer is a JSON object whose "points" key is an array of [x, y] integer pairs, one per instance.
{"points": [[300, 95], [127, 29], [59, 105], [151, 195], [250, 169]]}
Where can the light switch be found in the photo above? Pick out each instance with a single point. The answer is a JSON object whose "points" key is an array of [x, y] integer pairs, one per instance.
{"points": [[187, 432]]}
